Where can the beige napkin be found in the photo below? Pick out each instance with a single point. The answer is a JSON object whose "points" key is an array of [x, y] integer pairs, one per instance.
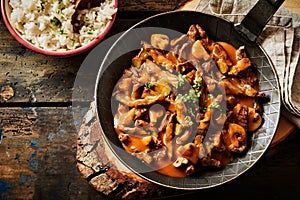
{"points": [[280, 39]]}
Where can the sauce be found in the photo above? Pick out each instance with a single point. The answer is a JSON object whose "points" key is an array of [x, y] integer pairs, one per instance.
{"points": [[230, 50], [247, 101], [172, 171], [141, 142]]}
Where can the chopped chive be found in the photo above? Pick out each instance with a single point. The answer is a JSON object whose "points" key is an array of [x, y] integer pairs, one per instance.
{"points": [[149, 85]]}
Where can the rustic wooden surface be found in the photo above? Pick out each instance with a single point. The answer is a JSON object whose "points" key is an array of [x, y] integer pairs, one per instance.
{"points": [[39, 133]]}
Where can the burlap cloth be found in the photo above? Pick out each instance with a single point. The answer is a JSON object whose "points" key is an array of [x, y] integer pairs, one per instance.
{"points": [[280, 39]]}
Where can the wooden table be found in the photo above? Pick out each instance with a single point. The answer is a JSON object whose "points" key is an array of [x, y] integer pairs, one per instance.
{"points": [[38, 149]]}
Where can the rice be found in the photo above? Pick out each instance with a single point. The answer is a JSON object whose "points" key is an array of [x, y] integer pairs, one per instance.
{"points": [[47, 23]]}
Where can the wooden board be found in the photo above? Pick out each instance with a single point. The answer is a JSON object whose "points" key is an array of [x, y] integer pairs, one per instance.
{"points": [[39, 146], [38, 155], [38, 161]]}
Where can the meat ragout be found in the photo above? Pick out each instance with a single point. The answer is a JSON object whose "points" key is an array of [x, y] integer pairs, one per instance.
{"points": [[187, 104]]}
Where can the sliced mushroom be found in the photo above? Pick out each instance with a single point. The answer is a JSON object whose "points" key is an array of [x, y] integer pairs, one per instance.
{"points": [[213, 142], [162, 88], [255, 120], [136, 131], [160, 41], [180, 162], [219, 52], [188, 151], [217, 140], [235, 138], [125, 84], [201, 31], [156, 112], [126, 119], [198, 51], [241, 115], [164, 121], [184, 52]]}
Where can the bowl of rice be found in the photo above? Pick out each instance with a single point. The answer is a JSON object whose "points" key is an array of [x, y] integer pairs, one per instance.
{"points": [[51, 27]]}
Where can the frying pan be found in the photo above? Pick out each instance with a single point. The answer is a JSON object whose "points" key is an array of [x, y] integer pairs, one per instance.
{"points": [[175, 23]]}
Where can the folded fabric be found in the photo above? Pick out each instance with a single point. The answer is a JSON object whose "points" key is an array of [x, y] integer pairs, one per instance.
{"points": [[280, 40]]}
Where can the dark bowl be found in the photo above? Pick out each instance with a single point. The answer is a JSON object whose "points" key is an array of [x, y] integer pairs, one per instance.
{"points": [[177, 22]]}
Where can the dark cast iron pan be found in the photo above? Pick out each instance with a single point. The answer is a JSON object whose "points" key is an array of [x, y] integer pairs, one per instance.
{"points": [[171, 23]]}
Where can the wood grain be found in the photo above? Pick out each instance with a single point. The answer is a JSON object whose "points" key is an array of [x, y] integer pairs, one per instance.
{"points": [[38, 161], [108, 176], [38, 155], [145, 6], [38, 150], [38, 78]]}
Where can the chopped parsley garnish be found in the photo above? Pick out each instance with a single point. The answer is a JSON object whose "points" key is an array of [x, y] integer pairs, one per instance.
{"points": [[191, 97], [197, 82], [214, 105], [149, 85], [55, 22], [188, 120], [197, 85], [181, 79], [194, 93], [222, 78]]}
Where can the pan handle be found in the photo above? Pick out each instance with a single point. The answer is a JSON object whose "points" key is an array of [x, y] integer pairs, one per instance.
{"points": [[257, 18]]}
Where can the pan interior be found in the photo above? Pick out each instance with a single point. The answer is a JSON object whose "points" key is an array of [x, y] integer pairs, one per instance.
{"points": [[119, 57]]}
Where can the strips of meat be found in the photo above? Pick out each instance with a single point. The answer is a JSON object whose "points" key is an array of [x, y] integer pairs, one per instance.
{"points": [[187, 103]]}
